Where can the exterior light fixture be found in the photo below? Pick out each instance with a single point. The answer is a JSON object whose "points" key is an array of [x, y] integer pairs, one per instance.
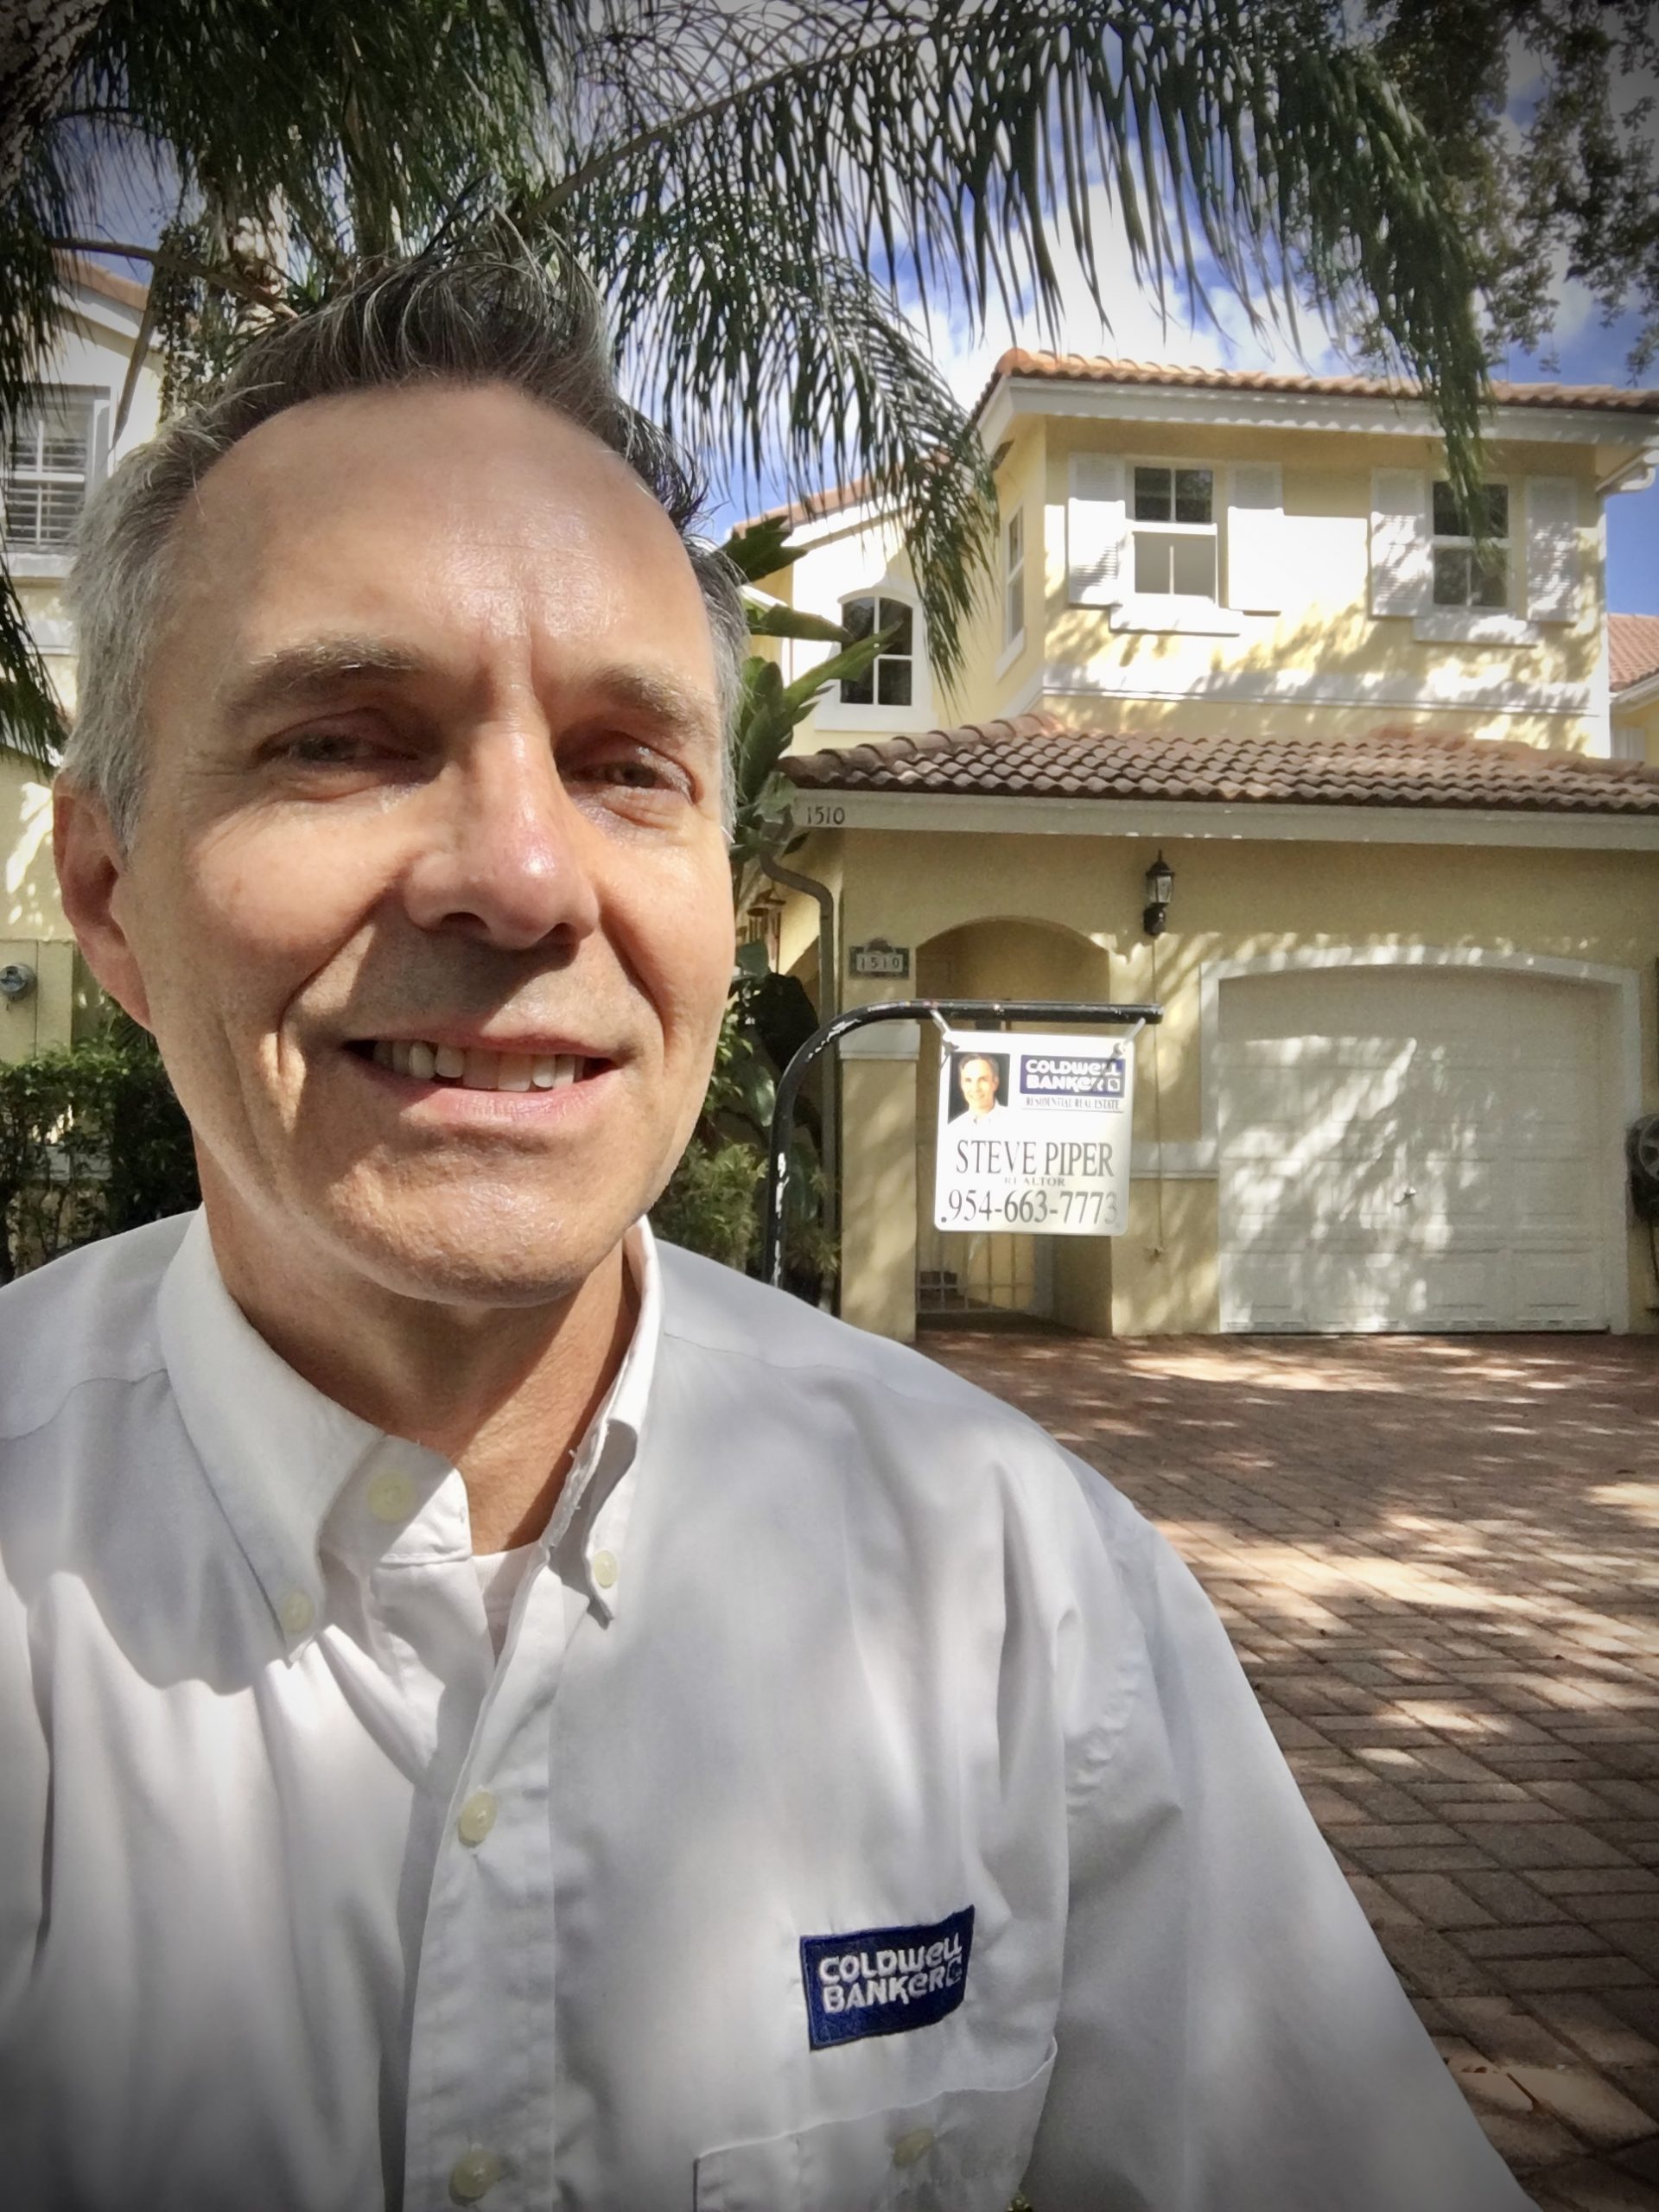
{"points": [[1160, 884]]}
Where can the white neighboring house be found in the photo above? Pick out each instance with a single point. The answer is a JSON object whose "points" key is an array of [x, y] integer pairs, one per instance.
{"points": [[1633, 675], [64, 446]]}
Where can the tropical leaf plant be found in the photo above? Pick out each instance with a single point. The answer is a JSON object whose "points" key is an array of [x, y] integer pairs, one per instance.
{"points": [[759, 187]]}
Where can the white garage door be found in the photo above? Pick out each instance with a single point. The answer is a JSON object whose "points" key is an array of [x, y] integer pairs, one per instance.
{"points": [[1411, 1148]]}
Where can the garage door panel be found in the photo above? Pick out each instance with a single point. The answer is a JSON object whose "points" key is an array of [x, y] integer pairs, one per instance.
{"points": [[1558, 1290], [1460, 1098], [1441, 1168], [1459, 1289], [1552, 1196], [1266, 1291]]}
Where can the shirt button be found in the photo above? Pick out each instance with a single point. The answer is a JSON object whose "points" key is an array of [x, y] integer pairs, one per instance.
{"points": [[477, 1819], [391, 1496], [296, 1612], [916, 2144], [604, 1566], [473, 2174]]}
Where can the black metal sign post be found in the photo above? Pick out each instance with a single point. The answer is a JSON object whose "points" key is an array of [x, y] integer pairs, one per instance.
{"points": [[939, 1012]]}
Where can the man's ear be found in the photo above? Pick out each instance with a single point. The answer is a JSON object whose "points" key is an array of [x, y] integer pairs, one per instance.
{"points": [[91, 876]]}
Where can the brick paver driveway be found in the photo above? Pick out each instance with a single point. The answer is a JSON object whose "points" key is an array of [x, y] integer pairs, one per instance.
{"points": [[1438, 1560]]}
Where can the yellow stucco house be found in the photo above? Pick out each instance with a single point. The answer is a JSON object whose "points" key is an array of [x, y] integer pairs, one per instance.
{"points": [[1409, 967], [59, 451]]}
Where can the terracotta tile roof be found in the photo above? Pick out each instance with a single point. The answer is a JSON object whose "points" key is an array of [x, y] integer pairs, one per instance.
{"points": [[1082, 368], [1632, 649], [816, 506], [97, 278], [1036, 757]]}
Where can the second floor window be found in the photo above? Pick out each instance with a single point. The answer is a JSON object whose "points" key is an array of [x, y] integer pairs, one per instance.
{"points": [[1466, 574], [47, 463], [1175, 530], [892, 681], [1014, 579]]}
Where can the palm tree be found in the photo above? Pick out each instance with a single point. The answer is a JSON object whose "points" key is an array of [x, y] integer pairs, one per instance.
{"points": [[755, 187]]}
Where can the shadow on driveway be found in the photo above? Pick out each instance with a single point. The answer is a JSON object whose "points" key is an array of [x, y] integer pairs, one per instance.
{"points": [[1438, 1560]]}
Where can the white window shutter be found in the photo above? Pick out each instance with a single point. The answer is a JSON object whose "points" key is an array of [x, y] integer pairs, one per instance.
{"points": [[1552, 564], [1096, 528], [1402, 571], [1255, 537]]}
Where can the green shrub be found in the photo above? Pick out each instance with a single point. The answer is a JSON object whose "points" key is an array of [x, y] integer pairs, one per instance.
{"points": [[91, 1142], [712, 1202]]}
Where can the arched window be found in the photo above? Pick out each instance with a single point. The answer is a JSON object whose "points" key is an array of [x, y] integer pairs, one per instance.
{"points": [[890, 681]]}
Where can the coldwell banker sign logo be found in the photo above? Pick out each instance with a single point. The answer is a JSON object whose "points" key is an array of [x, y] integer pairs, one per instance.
{"points": [[883, 1981], [1047, 1079]]}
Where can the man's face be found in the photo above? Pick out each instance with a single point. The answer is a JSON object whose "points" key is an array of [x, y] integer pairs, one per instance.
{"points": [[978, 1079], [433, 785]]}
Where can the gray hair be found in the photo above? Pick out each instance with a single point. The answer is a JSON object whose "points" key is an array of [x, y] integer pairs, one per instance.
{"points": [[472, 317]]}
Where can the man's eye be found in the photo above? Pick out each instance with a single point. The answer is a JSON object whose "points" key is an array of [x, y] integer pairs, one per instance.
{"points": [[635, 770], [323, 748]]}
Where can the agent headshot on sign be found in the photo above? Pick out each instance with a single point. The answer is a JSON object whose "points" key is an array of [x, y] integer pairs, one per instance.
{"points": [[979, 1081], [493, 1710]]}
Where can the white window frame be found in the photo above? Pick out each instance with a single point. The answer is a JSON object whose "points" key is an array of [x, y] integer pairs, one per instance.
{"points": [[1013, 588], [830, 711], [29, 557], [1463, 542], [1508, 625], [877, 594], [1187, 611]]}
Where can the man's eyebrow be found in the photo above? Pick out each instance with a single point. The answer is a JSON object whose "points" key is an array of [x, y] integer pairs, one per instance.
{"points": [[302, 674], [680, 707], [298, 674]]}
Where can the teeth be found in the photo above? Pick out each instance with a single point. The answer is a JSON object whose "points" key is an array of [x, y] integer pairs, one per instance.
{"points": [[477, 1070]]}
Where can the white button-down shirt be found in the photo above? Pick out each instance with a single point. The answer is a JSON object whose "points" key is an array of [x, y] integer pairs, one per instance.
{"points": [[866, 1808]]}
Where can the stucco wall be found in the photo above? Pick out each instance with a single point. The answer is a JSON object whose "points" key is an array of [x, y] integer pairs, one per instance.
{"points": [[1324, 650], [33, 932], [1639, 727]]}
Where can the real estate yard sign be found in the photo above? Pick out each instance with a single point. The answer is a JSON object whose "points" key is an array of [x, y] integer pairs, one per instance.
{"points": [[1034, 1133]]}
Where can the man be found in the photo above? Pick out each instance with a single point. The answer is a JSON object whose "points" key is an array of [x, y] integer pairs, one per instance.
{"points": [[495, 1712], [979, 1079]]}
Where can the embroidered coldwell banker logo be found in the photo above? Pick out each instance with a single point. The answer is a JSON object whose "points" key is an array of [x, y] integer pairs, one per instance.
{"points": [[882, 1980]]}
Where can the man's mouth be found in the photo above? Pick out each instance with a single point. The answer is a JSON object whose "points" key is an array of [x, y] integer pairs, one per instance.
{"points": [[477, 1068]]}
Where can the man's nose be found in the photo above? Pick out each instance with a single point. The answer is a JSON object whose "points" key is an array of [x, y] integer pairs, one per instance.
{"points": [[504, 855]]}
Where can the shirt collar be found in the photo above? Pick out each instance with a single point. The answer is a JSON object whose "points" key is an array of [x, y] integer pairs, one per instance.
{"points": [[277, 1452], [594, 1490]]}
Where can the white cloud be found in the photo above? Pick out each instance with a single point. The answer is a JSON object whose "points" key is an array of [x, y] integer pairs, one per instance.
{"points": [[1137, 327]]}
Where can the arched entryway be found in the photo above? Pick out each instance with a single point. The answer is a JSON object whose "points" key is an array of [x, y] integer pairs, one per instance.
{"points": [[993, 1274]]}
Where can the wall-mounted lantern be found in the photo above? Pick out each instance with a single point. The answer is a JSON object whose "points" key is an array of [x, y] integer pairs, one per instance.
{"points": [[1160, 884]]}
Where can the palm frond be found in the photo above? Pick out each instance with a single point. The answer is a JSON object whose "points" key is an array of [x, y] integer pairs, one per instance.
{"points": [[955, 145], [30, 721], [747, 351]]}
